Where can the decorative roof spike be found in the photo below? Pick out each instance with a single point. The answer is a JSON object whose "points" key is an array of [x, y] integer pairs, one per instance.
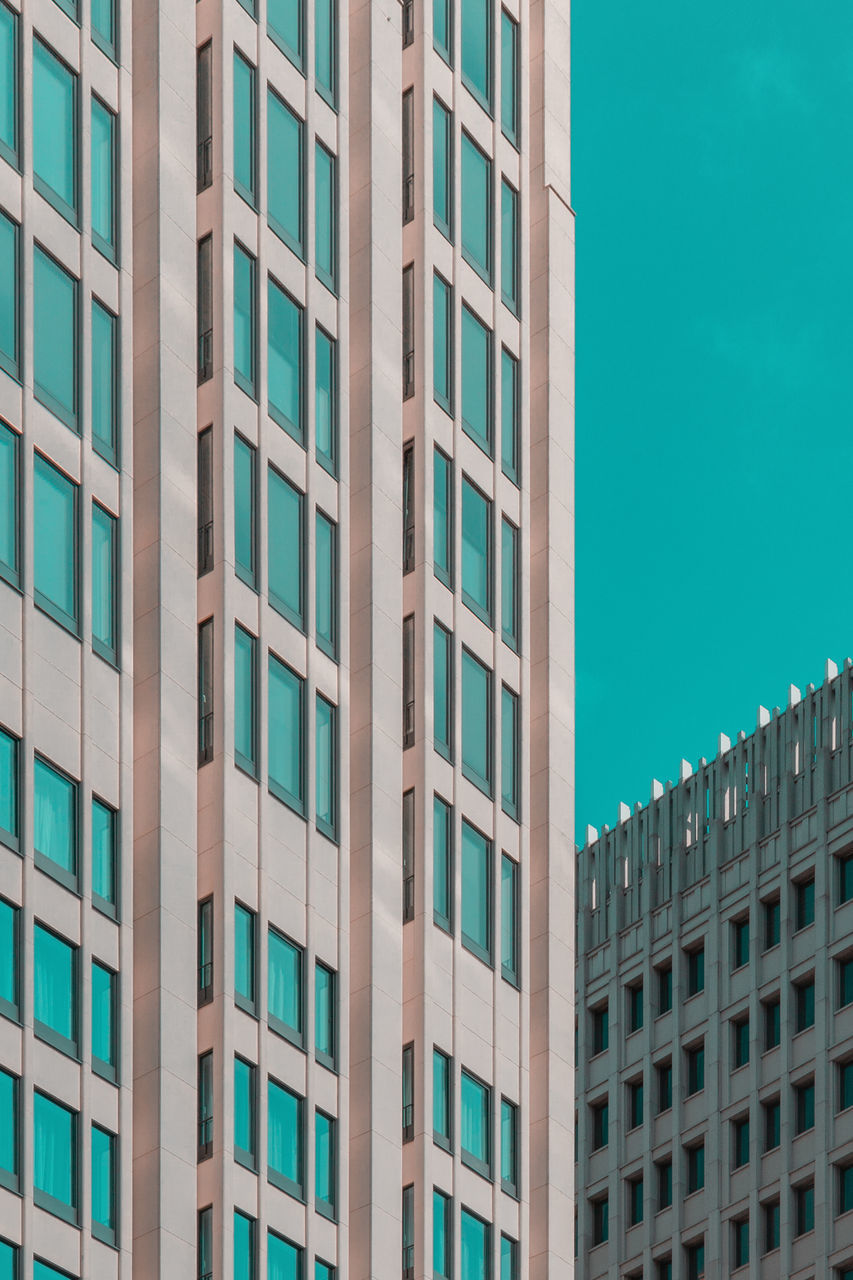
{"points": [[794, 695], [685, 770], [657, 789], [763, 717], [830, 670], [724, 744], [591, 835], [624, 811]]}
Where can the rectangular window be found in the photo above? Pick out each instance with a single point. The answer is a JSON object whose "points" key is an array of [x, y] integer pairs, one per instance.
{"points": [[55, 823], [804, 1106], [408, 1077], [245, 1234], [476, 1138], [509, 77], [475, 1247], [408, 856], [476, 380], [245, 151], [509, 247], [804, 1209], [205, 691], [509, 1147], [55, 1157], [772, 1124], [408, 681], [245, 321], [9, 77], [845, 1189], [845, 865], [104, 1021], [286, 27], [740, 1142], [285, 360], [740, 1242], [509, 415], [10, 972], [245, 958], [600, 1112], [408, 155], [204, 1269], [664, 1184], [285, 168], [442, 343], [325, 1020], [286, 721], [442, 864], [286, 528], [204, 116], [105, 27], [476, 205], [442, 1099], [245, 1108], [804, 903], [476, 893], [805, 1004], [55, 338], [635, 1201], [326, 764], [326, 217], [55, 131], [10, 298], [408, 1232], [245, 505], [104, 184], [205, 951], [205, 1105], [845, 1085], [442, 652], [104, 1186], [635, 1103], [695, 1254], [845, 981], [509, 919], [55, 549], [245, 700], [509, 584], [285, 987], [442, 519], [10, 1140], [408, 23], [664, 989], [442, 168], [695, 971], [442, 1235], [740, 1042], [695, 1168], [442, 29], [408, 332], [509, 753], [477, 49], [772, 1023], [325, 401], [105, 382], [772, 923], [600, 1029], [325, 1164], [204, 304], [476, 551], [285, 1260], [10, 538], [325, 583], [285, 1139], [408, 508], [771, 1226], [695, 1068], [664, 1079], [326, 49], [740, 943], [104, 584], [476, 722]]}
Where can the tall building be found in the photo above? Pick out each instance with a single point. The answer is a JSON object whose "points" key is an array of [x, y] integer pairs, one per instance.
{"points": [[715, 1043], [286, 640]]}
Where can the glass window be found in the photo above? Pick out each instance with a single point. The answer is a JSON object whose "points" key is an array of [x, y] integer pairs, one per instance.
{"points": [[325, 404], [408, 1233], [105, 387], [600, 1028], [44, 1271], [10, 1145], [284, 983], [55, 543], [509, 246], [509, 752], [442, 343], [509, 584], [245, 948], [284, 1259], [408, 856], [324, 1164], [245, 310], [476, 893], [476, 551], [805, 1004], [284, 20], [509, 415], [695, 1168], [509, 1146], [204, 1269], [55, 990], [476, 722], [664, 1081], [55, 337], [9, 510], [442, 29], [205, 1105], [772, 1123], [245, 161], [10, 976], [804, 1206], [244, 1112], [408, 1091], [408, 155], [285, 360], [442, 864], [740, 1042], [55, 821], [636, 1007], [327, 767], [104, 1185], [324, 1014], [845, 879], [326, 235], [696, 1069], [475, 1246], [804, 903], [509, 1259], [442, 649], [9, 81], [408, 681], [695, 971], [408, 332], [286, 734], [9, 296], [442, 1235], [740, 1143], [477, 50], [509, 77], [104, 1021], [509, 919], [326, 49], [476, 380], [205, 951], [244, 1247], [804, 1099], [284, 172], [55, 1157], [204, 116], [104, 575], [204, 307], [285, 1139], [442, 520], [55, 131], [205, 691], [104, 203], [326, 584], [408, 508], [104, 26], [245, 525], [286, 521], [442, 1097], [245, 700], [442, 167], [476, 205]]}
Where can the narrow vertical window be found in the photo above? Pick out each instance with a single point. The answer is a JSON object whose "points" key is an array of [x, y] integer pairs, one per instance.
{"points": [[55, 1157], [509, 752], [55, 338], [10, 1140], [285, 24], [442, 517], [476, 722], [442, 168], [476, 207], [104, 202], [205, 691], [442, 864], [245, 1113], [284, 986], [476, 893], [509, 415], [105, 382], [104, 583], [408, 1092], [245, 149], [325, 583], [245, 950], [476, 1134], [509, 584], [205, 951], [408, 331], [509, 1259], [9, 788], [10, 967], [245, 312], [245, 522], [104, 1185], [442, 1235], [509, 246], [476, 551], [284, 360], [104, 1021], [442, 29], [509, 1147], [9, 297], [55, 1001], [10, 540], [286, 573], [55, 822], [326, 49], [442, 343], [408, 1260], [204, 1270], [409, 681], [325, 1020], [408, 508], [205, 501], [325, 401], [442, 1099], [205, 1105], [245, 1246], [326, 768], [285, 163], [408, 856], [105, 27], [326, 218], [476, 380], [286, 722], [477, 49], [408, 23], [325, 1162], [55, 131], [285, 1139], [55, 549], [9, 118], [442, 690], [509, 919], [204, 116], [204, 288], [408, 155], [245, 700], [509, 77]]}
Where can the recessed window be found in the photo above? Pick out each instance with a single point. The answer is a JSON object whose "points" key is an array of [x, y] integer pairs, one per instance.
{"points": [[285, 22], [56, 545], [476, 893], [476, 722], [695, 1059], [477, 49], [104, 202], [695, 1168], [740, 1142], [9, 76], [205, 1244], [205, 1105], [408, 155], [204, 308], [476, 380], [845, 1085], [509, 1147], [664, 989], [325, 208], [245, 512], [740, 942], [634, 1094], [205, 691], [325, 401], [55, 1001], [9, 507], [845, 981], [245, 321], [509, 247], [104, 1021], [804, 1106], [205, 951], [600, 1220], [408, 690], [845, 878], [408, 1232], [804, 999], [285, 1139], [442, 720], [325, 1164], [442, 1099], [55, 131], [845, 1188], [476, 551], [10, 299], [105, 382], [509, 919], [285, 360], [408, 508], [245, 149], [442, 29], [740, 1042], [695, 971], [509, 77], [634, 997], [286, 735], [325, 1015], [442, 864], [509, 415], [204, 116], [771, 1215], [10, 1138], [772, 1023], [772, 923], [600, 1115], [245, 950], [105, 557], [55, 1157], [326, 767], [476, 1136], [635, 1201], [803, 1209], [408, 1073], [740, 1242], [245, 1113], [663, 1073], [772, 1114], [804, 903], [695, 1256], [664, 1176], [104, 1185], [600, 1025], [284, 986]]}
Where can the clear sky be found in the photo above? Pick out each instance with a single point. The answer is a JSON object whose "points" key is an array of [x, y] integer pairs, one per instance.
{"points": [[713, 184]]}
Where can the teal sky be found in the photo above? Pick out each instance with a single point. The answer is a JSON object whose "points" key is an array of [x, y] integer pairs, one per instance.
{"points": [[713, 185]]}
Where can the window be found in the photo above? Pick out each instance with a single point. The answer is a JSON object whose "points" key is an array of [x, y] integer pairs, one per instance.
{"points": [[509, 919], [325, 401], [55, 1157], [635, 1103], [10, 976], [509, 584], [442, 524], [476, 1125], [845, 981], [204, 306], [442, 169], [442, 29], [325, 583], [325, 1019], [55, 131], [10, 77], [771, 1226], [509, 1147], [204, 117], [245, 947], [285, 1139], [10, 1142], [9, 513], [509, 752], [104, 203], [634, 996], [323, 1270], [695, 1168], [476, 722], [477, 49], [205, 1244], [408, 508], [245, 1117], [740, 1142], [845, 1085], [772, 1113], [408, 1260], [408, 856], [325, 1164], [664, 1079], [205, 691], [600, 1112], [740, 1042], [55, 823], [408, 332], [476, 380], [442, 864], [285, 164], [284, 986], [205, 951], [245, 700], [104, 27], [325, 49], [55, 990], [804, 996], [804, 903], [664, 976], [245, 152], [285, 23], [9, 1265], [509, 247], [9, 789], [509, 415], [286, 528], [55, 550], [740, 1242], [104, 1185], [408, 154], [285, 1260], [804, 1106], [476, 893], [286, 735], [695, 1068], [442, 1099], [845, 1188], [475, 1247], [9, 296], [509, 77], [104, 1021], [408, 1092], [600, 1029], [600, 1221], [740, 943], [845, 871], [442, 690], [772, 923], [326, 767], [105, 383], [695, 1255], [104, 579], [326, 234], [635, 1201], [509, 1259], [664, 1175], [695, 971], [205, 1105], [772, 1023], [55, 336], [244, 1246], [245, 313], [409, 681], [442, 344], [476, 207], [804, 1209], [476, 551], [442, 1235], [245, 504]]}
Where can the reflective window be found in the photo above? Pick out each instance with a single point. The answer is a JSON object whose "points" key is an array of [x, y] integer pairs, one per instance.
{"points": [[104, 1020], [55, 337], [442, 167], [442, 650], [442, 864], [442, 1235], [245, 525], [9, 789], [476, 551], [509, 246], [477, 54], [104, 583], [284, 172], [442, 343], [55, 990], [325, 401], [205, 1105], [245, 700], [476, 1124], [55, 130], [9, 511], [205, 951], [476, 206], [44, 1271], [245, 1119], [326, 234], [284, 1259], [204, 1269], [250, 7], [324, 1164], [509, 77], [9, 84], [408, 1215], [509, 919], [285, 1139], [476, 722], [442, 29], [408, 352], [70, 7], [245, 310], [105, 382], [408, 154], [509, 752], [509, 1259], [509, 584], [245, 150], [244, 1247], [104, 1185], [10, 977], [442, 517], [476, 380], [10, 1145], [245, 945], [476, 892], [509, 415], [325, 582], [55, 1157], [323, 1270], [204, 291], [509, 1146], [284, 20], [55, 543], [9, 295], [104, 202], [204, 116], [442, 1099], [326, 767], [325, 49], [286, 543], [286, 734], [324, 1014], [205, 691], [284, 983], [285, 360], [55, 820], [104, 26]]}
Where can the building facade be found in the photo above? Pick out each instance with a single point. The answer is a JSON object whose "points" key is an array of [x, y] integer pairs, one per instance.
{"points": [[286, 639], [715, 979]]}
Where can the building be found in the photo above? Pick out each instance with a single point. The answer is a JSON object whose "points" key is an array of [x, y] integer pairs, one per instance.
{"points": [[715, 1046], [286, 685]]}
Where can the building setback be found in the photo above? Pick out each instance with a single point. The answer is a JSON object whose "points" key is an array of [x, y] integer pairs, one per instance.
{"points": [[286, 640], [715, 1042]]}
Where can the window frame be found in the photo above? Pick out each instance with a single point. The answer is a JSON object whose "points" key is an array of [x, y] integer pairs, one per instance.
{"points": [[109, 452], [328, 278], [249, 194], [327, 1208], [328, 645], [510, 246], [247, 764], [12, 154], [109, 653], [108, 1069], [43, 1199], [100, 1230], [70, 879], [328, 461], [11, 1179], [247, 1156], [325, 826], [444, 922], [71, 213], [296, 1189], [44, 603], [469, 943], [297, 803], [485, 270], [296, 246], [511, 1185], [283, 486], [11, 573], [295, 1035], [511, 973], [248, 383], [326, 1059], [469, 1158], [247, 573], [109, 250], [442, 637]]}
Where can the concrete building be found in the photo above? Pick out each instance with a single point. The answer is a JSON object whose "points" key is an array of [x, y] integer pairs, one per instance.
{"points": [[286, 639], [715, 1042]]}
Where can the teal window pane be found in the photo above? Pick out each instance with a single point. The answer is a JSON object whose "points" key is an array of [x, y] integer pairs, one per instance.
{"points": [[104, 1015], [104, 869], [509, 919], [286, 734], [55, 543], [245, 538], [205, 1244], [55, 1153], [474, 1247], [509, 247], [442, 863], [509, 415], [442, 28], [104, 382], [326, 767], [9, 513], [104, 25], [326, 583], [285, 1131], [326, 425], [476, 380], [476, 722], [442, 167], [284, 1259], [442, 343], [55, 987], [244, 1110], [244, 955], [442, 651], [476, 207], [284, 19], [324, 1013], [9, 974], [477, 53], [476, 551], [244, 128], [104, 1182], [441, 1097], [250, 7], [325, 196], [244, 320], [476, 1105], [323, 1270], [286, 567], [9, 787], [284, 982], [442, 520], [324, 1162], [476, 892], [8, 84], [284, 172], [9, 295], [509, 752], [442, 1260], [245, 729], [55, 817], [104, 596], [509, 1259], [104, 179], [509, 583], [244, 1247], [43, 1271], [325, 48], [284, 354], [509, 1140], [55, 337], [509, 76], [9, 1144], [8, 1261], [55, 130]]}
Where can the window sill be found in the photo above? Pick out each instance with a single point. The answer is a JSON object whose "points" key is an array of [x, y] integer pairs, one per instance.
{"points": [[248, 1006], [105, 907], [326, 1061], [287, 1033], [473, 948], [56, 1207], [245, 1160], [48, 867], [325, 1210], [296, 806], [477, 1166], [59, 1042], [105, 1235], [58, 616], [105, 1071], [285, 1184]]}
